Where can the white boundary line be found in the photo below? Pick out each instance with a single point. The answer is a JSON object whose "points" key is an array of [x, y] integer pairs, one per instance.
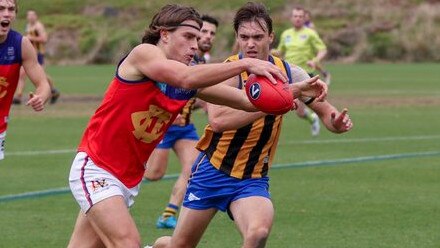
{"points": [[36, 153], [333, 162]]}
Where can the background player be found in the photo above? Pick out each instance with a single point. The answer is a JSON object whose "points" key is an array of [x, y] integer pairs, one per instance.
{"points": [[16, 51], [322, 71], [36, 33], [302, 46]]}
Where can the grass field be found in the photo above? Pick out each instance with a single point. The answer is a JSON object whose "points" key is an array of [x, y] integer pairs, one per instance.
{"points": [[377, 186]]}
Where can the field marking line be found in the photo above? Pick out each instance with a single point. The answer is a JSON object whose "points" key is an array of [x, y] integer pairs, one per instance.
{"points": [[295, 142], [316, 163], [43, 152]]}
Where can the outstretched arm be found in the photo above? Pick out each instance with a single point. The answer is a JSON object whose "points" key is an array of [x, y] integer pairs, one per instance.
{"points": [[148, 60], [222, 118], [334, 121], [36, 74]]}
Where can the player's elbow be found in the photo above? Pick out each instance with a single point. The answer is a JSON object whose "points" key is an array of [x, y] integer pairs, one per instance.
{"points": [[217, 125]]}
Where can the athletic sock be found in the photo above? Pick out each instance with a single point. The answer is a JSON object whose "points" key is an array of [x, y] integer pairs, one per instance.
{"points": [[308, 115], [170, 210]]}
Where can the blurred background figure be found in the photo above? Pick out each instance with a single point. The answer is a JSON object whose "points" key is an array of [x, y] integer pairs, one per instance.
{"points": [[303, 47], [36, 33], [16, 51], [326, 76]]}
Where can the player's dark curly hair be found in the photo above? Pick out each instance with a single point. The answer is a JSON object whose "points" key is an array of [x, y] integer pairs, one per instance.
{"points": [[253, 12], [168, 18], [210, 19]]}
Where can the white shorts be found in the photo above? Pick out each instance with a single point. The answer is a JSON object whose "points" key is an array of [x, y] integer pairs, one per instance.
{"points": [[91, 184], [2, 145]]}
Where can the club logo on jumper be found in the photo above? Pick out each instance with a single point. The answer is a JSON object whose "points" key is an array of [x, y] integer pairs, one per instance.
{"points": [[99, 184], [176, 93], [150, 125], [3, 87], [11, 51], [255, 91], [10, 55], [192, 197]]}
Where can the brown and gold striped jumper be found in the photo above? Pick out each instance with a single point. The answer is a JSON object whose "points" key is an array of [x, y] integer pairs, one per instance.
{"points": [[246, 152]]}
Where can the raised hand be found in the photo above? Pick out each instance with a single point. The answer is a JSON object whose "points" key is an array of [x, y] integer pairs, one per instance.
{"points": [[314, 88]]}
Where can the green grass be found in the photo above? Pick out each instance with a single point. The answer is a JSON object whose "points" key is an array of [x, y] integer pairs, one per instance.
{"points": [[376, 203]]}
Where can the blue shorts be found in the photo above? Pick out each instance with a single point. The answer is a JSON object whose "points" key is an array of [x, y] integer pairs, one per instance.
{"points": [[175, 133], [40, 58], [211, 188]]}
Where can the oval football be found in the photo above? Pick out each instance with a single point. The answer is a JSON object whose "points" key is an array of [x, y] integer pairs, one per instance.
{"points": [[270, 98]]}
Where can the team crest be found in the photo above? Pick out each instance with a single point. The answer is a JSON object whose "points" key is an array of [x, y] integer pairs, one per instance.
{"points": [[150, 125], [3, 87]]}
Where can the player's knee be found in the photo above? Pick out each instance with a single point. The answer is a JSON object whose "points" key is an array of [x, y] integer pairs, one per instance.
{"points": [[128, 241], [257, 235], [153, 175]]}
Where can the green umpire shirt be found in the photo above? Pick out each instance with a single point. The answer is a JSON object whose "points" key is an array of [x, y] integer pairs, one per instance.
{"points": [[300, 46]]}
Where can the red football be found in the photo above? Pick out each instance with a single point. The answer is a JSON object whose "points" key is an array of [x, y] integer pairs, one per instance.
{"points": [[270, 98]]}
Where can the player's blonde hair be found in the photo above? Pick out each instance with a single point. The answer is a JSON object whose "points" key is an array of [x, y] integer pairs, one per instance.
{"points": [[169, 18]]}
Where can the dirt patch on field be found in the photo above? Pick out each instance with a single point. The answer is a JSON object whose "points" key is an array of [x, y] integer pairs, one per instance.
{"points": [[67, 106], [385, 101]]}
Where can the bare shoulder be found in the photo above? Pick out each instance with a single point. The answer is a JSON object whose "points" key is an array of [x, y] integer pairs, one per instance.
{"points": [[39, 26], [26, 48], [145, 47], [146, 51]]}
